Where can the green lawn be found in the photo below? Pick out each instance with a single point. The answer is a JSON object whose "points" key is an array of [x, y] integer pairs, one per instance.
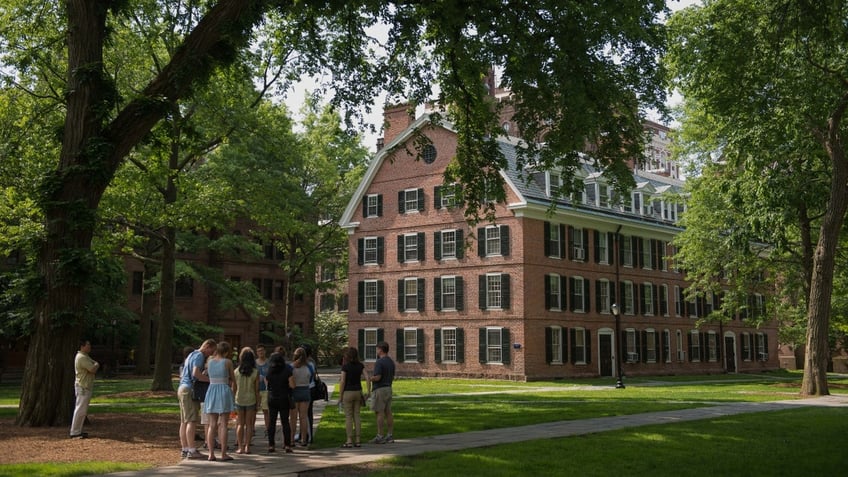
{"points": [[774, 443]]}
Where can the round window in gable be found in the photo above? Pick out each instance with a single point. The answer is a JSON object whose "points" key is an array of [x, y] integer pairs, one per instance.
{"points": [[429, 153]]}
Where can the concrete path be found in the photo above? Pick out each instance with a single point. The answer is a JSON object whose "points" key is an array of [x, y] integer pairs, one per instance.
{"points": [[281, 464]]}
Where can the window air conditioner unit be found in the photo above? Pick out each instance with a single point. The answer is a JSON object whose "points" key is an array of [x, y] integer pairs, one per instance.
{"points": [[578, 253]]}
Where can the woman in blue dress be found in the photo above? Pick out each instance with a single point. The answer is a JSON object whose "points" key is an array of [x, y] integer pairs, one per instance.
{"points": [[219, 401]]}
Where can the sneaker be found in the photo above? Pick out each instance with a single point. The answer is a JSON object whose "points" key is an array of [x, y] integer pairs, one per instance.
{"points": [[78, 436], [195, 455], [388, 439], [378, 440], [183, 454]]}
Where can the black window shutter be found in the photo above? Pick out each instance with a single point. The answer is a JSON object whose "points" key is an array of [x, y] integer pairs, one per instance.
{"points": [[564, 342], [765, 347], [588, 336], [401, 202], [437, 345], [482, 291], [504, 240], [421, 298], [611, 250], [399, 354], [549, 345], [719, 344], [437, 245], [381, 294], [703, 350], [381, 250], [360, 297], [379, 205], [421, 246], [562, 240], [623, 346], [460, 345], [639, 262], [437, 293], [644, 351], [586, 244], [360, 248], [571, 299], [365, 206], [437, 197], [460, 244], [361, 341], [506, 346], [420, 200], [460, 294], [401, 296], [598, 295], [570, 243], [596, 243], [419, 334], [563, 285], [548, 239], [689, 344], [481, 241], [548, 304], [642, 302], [482, 345], [380, 337], [401, 245], [505, 296], [587, 299], [572, 342]]}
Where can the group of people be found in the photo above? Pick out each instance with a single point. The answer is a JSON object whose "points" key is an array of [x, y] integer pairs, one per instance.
{"points": [[280, 390]]}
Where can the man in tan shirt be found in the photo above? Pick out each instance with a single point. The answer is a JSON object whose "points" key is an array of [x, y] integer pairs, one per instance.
{"points": [[85, 368]]}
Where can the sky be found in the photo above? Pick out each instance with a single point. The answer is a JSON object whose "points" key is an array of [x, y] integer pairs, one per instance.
{"points": [[294, 100]]}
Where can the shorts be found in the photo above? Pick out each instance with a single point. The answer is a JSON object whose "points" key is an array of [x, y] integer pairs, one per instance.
{"points": [[302, 394], [189, 408], [263, 400], [251, 407], [381, 399]]}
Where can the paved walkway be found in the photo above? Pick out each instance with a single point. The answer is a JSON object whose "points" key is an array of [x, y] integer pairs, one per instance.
{"points": [[281, 464]]}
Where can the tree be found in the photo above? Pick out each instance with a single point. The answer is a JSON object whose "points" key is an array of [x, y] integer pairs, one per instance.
{"points": [[775, 109], [585, 70]]}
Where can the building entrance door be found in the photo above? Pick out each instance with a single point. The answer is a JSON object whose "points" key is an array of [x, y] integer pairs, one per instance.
{"points": [[730, 354], [605, 354]]}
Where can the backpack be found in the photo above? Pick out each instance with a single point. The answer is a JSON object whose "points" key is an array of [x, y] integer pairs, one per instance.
{"points": [[319, 391]]}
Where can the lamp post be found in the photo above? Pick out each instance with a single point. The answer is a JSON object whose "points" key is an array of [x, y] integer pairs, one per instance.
{"points": [[619, 384]]}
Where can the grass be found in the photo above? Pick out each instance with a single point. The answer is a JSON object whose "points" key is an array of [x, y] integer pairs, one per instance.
{"points": [[775, 443]]}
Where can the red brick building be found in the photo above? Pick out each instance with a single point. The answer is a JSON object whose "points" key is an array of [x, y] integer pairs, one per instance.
{"points": [[529, 296]]}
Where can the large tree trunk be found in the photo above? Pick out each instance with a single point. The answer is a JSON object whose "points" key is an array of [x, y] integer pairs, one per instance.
{"points": [[821, 286], [148, 307], [165, 331], [91, 153]]}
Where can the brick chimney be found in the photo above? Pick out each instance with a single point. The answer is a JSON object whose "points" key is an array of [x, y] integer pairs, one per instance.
{"points": [[395, 119]]}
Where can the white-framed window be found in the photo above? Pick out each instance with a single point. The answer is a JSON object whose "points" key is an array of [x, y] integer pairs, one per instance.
{"points": [[762, 347], [578, 294], [603, 195], [579, 349], [449, 345], [370, 344], [579, 248], [626, 251], [410, 200], [554, 240], [647, 255], [603, 248], [448, 244], [759, 306], [663, 258], [554, 183], [712, 347], [709, 298], [604, 300], [628, 298], [554, 292], [556, 345], [493, 241], [648, 298], [373, 205], [695, 345], [745, 338], [650, 346], [666, 345], [494, 289], [664, 300], [370, 250], [632, 346], [371, 298], [447, 196], [410, 294], [680, 356], [678, 301], [410, 247], [410, 344], [448, 294], [494, 345]]}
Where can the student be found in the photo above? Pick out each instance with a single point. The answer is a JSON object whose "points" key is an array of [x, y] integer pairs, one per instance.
{"points": [[219, 401], [382, 377], [350, 392], [192, 370], [262, 365], [84, 370], [280, 383], [247, 399], [301, 395]]}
